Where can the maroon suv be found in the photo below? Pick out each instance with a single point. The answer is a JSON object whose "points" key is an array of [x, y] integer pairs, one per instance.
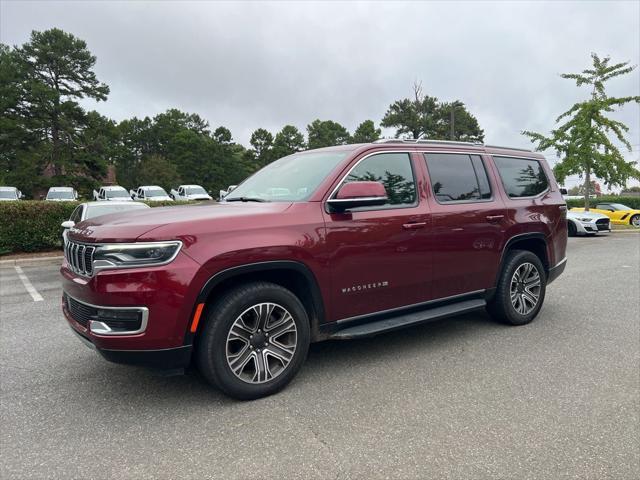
{"points": [[334, 243]]}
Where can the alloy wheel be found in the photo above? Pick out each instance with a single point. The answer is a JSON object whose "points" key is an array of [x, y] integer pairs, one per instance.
{"points": [[261, 343], [525, 288]]}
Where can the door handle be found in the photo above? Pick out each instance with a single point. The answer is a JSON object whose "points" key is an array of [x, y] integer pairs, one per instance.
{"points": [[494, 218], [414, 225]]}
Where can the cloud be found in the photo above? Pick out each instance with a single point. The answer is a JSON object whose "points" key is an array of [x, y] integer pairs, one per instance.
{"points": [[258, 64]]}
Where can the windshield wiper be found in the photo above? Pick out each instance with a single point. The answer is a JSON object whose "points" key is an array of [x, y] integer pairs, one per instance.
{"points": [[245, 199]]}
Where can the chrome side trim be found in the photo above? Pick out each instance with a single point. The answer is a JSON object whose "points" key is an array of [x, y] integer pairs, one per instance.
{"points": [[100, 332], [407, 307]]}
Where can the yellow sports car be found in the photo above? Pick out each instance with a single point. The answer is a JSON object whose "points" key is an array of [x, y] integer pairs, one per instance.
{"points": [[618, 213]]}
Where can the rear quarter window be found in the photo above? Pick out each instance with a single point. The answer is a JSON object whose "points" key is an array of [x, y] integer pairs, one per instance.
{"points": [[521, 177]]}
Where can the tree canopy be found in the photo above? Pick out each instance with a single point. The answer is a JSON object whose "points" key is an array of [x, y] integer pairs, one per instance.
{"points": [[426, 117], [582, 139]]}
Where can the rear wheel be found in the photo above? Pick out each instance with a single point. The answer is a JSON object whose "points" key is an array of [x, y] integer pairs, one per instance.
{"points": [[255, 340], [635, 221], [521, 289]]}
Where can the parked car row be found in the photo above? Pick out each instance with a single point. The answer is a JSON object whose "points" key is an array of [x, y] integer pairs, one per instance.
{"points": [[116, 193]]}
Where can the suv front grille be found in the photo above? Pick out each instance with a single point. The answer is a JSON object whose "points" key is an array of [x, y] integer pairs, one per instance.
{"points": [[603, 224], [79, 257]]}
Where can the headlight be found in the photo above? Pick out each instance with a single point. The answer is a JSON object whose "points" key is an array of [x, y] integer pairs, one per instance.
{"points": [[135, 254], [585, 220]]}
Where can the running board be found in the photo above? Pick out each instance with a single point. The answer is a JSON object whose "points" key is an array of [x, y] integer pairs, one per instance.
{"points": [[408, 319]]}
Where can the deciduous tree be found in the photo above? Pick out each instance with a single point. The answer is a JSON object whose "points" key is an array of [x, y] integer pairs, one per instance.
{"points": [[583, 138]]}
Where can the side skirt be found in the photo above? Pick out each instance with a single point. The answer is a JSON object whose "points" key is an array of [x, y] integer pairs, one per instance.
{"points": [[380, 323]]}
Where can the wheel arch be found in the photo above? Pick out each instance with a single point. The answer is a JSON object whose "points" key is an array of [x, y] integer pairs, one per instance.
{"points": [[534, 242], [292, 275]]}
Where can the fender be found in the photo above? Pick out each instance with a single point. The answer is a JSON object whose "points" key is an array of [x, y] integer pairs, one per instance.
{"points": [[258, 267]]}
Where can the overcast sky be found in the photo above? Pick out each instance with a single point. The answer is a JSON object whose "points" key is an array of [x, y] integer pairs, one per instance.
{"points": [[258, 64]]}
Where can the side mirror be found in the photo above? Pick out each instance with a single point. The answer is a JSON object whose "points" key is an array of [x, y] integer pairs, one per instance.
{"points": [[68, 224], [358, 194], [563, 191]]}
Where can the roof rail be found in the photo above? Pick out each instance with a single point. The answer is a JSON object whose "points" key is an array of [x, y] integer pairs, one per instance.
{"points": [[509, 148], [427, 141]]}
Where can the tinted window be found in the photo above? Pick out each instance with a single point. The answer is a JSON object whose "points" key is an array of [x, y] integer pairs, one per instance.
{"points": [[456, 177], [521, 178], [394, 171]]}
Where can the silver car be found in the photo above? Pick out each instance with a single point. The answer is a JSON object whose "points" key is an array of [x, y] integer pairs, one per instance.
{"points": [[587, 223]]}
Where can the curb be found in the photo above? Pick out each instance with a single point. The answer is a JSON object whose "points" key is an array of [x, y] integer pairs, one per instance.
{"points": [[31, 261]]}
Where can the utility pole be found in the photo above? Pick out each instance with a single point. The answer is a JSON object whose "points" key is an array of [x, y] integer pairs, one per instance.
{"points": [[453, 121]]}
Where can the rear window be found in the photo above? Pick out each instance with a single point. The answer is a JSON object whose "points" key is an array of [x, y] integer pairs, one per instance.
{"points": [[521, 177], [456, 177]]}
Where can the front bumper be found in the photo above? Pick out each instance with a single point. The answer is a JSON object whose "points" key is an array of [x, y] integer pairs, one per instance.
{"points": [[163, 359], [592, 228], [138, 316]]}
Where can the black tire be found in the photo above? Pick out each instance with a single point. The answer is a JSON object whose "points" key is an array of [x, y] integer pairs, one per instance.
{"points": [[501, 307], [634, 221], [571, 229], [211, 348]]}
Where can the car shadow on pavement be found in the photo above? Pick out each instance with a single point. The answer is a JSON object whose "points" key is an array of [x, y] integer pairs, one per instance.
{"points": [[156, 391]]}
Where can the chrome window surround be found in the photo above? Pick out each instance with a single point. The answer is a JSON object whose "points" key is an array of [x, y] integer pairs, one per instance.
{"points": [[101, 329], [98, 267]]}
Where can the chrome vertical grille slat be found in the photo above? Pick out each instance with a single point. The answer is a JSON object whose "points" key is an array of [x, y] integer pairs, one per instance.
{"points": [[79, 257]]}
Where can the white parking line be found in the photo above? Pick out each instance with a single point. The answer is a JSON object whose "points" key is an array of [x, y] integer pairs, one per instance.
{"points": [[27, 284]]}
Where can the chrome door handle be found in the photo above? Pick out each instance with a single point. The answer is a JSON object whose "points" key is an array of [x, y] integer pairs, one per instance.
{"points": [[414, 225], [494, 218]]}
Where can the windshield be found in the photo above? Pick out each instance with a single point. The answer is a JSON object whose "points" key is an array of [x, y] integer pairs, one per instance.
{"points": [[292, 178], [155, 192], [8, 194], [97, 210], [619, 206], [68, 195], [117, 193], [196, 191]]}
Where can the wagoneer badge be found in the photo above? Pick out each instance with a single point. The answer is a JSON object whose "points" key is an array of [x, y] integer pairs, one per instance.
{"points": [[365, 286]]}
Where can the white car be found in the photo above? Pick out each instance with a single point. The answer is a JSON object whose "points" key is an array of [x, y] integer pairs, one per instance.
{"points": [[95, 209], [7, 194], [190, 192], [150, 193], [587, 223], [224, 193], [113, 193], [61, 194]]}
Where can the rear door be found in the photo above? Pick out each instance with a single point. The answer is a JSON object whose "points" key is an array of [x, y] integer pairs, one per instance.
{"points": [[379, 256], [467, 223]]}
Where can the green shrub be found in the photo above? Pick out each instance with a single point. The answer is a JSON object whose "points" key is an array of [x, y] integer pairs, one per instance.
{"points": [[629, 201], [32, 225]]}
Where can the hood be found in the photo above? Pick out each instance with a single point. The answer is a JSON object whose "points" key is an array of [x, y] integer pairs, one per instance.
{"points": [[177, 221], [198, 196], [163, 198]]}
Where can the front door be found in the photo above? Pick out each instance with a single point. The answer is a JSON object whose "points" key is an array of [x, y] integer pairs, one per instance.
{"points": [[379, 256]]}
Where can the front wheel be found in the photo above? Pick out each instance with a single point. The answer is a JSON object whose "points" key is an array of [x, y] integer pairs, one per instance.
{"points": [[254, 341], [635, 221], [521, 289]]}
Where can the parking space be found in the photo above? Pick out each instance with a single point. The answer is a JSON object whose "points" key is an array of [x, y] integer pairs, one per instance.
{"points": [[460, 398]]}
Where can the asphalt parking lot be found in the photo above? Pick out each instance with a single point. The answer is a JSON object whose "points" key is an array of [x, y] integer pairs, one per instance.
{"points": [[460, 398]]}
